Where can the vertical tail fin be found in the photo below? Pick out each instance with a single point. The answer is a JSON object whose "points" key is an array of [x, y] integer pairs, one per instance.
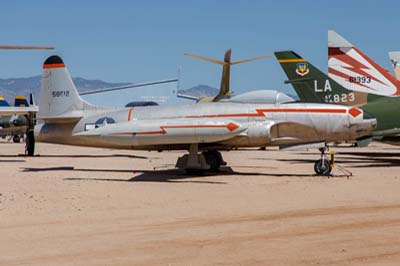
{"points": [[355, 71], [395, 59], [3, 102], [20, 101], [312, 85], [59, 98]]}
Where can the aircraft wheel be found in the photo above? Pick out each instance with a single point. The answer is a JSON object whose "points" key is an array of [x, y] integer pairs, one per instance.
{"points": [[213, 159], [16, 139], [30, 143], [322, 168]]}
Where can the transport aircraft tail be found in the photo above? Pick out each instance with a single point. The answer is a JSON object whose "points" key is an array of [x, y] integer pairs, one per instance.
{"points": [[20, 101], [3, 102]]}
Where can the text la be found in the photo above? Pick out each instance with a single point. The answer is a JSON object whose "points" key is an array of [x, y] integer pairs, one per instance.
{"points": [[326, 88]]}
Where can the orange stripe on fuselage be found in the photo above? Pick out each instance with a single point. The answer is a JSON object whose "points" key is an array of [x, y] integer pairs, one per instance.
{"points": [[48, 66], [260, 112], [130, 113], [162, 131], [295, 110]]}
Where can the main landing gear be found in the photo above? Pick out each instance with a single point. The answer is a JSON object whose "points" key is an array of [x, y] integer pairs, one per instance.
{"points": [[30, 136], [207, 160], [16, 139], [323, 166]]}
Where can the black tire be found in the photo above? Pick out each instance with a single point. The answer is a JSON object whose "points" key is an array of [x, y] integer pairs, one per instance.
{"points": [[213, 159], [322, 168], [194, 171], [16, 139], [30, 143]]}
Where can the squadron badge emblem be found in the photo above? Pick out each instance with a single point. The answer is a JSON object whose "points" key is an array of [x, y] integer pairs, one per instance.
{"points": [[302, 69]]}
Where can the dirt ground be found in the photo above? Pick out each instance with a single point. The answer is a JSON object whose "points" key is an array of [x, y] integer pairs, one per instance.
{"points": [[83, 206]]}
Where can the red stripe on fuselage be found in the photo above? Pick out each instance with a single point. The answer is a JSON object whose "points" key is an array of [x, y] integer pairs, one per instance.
{"points": [[162, 131], [260, 112], [130, 113]]}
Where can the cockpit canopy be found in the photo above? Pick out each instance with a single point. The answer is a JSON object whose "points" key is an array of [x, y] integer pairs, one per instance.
{"points": [[262, 96]]}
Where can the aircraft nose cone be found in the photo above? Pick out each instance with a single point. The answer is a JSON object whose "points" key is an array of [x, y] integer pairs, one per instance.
{"points": [[374, 123]]}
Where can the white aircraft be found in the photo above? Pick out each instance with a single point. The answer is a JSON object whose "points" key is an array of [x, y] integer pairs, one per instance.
{"points": [[207, 127]]}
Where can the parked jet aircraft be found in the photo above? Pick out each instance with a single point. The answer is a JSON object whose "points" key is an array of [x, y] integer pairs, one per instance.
{"points": [[313, 85], [208, 127]]}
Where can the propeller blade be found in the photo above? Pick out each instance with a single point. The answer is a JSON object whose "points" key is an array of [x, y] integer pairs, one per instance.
{"points": [[250, 59], [215, 61], [19, 47]]}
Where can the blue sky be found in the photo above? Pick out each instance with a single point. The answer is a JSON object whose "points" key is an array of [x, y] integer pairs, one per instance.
{"points": [[139, 41]]}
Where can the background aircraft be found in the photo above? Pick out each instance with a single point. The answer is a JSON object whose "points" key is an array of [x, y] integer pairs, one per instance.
{"points": [[14, 125], [313, 85], [208, 127], [353, 69], [395, 59], [28, 111], [224, 89]]}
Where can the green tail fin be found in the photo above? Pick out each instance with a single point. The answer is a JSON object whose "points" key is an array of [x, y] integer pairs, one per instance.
{"points": [[311, 84]]}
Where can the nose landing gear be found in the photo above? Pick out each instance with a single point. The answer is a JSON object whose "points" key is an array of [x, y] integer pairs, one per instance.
{"points": [[323, 166]]}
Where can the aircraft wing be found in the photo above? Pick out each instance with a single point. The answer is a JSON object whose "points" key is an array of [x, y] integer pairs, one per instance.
{"points": [[133, 85], [12, 110]]}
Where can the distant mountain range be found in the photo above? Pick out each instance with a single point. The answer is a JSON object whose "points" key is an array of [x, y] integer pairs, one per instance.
{"points": [[200, 91], [11, 87]]}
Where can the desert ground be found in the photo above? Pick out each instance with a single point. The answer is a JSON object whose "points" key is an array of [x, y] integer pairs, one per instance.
{"points": [[85, 206]]}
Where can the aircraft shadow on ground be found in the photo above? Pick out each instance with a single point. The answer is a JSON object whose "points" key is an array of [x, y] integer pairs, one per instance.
{"points": [[78, 156], [12, 161], [363, 159], [375, 162], [168, 175], [92, 156]]}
